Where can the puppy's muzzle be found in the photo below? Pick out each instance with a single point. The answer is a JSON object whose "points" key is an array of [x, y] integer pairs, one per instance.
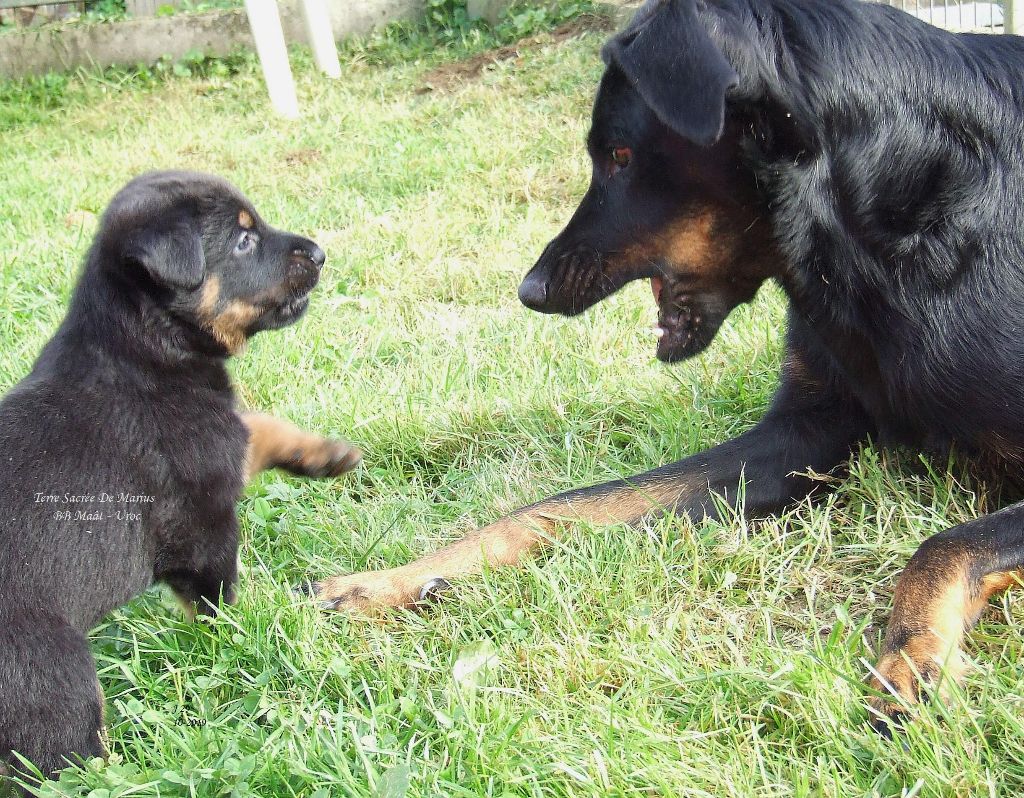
{"points": [[304, 267]]}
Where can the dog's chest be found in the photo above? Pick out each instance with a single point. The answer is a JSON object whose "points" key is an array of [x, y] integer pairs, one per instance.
{"points": [[200, 459]]}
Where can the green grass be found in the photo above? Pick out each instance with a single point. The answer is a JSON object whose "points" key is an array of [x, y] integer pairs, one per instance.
{"points": [[720, 659]]}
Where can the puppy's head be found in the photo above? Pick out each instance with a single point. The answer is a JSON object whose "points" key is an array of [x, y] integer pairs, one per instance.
{"points": [[196, 247], [670, 199]]}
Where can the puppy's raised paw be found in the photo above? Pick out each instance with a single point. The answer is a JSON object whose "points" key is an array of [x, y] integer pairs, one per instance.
{"points": [[275, 443], [322, 457]]}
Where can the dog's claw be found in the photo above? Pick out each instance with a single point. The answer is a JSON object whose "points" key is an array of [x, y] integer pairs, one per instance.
{"points": [[310, 589], [889, 728], [433, 589], [883, 728], [343, 460]]}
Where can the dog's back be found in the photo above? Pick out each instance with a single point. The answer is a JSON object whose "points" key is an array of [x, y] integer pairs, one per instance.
{"points": [[69, 549], [896, 191], [88, 439]]}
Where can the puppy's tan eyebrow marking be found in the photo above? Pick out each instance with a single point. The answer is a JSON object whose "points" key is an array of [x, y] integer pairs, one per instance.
{"points": [[245, 219]]}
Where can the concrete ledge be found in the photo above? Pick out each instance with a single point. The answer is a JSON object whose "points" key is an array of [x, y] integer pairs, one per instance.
{"points": [[216, 33]]}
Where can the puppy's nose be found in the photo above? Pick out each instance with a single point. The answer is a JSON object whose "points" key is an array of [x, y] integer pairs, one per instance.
{"points": [[533, 291], [313, 253]]}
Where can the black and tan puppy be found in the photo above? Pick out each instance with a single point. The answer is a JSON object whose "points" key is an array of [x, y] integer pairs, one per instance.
{"points": [[122, 454], [873, 167]]}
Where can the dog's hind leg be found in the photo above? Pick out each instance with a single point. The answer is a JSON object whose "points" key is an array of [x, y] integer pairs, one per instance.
{"points": [[274, 443], [810, 427], [939, 597], [51, 706]]}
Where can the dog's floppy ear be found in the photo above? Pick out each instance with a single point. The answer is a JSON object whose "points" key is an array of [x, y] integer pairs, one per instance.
{"points": [[670, 59], [171, 251]]}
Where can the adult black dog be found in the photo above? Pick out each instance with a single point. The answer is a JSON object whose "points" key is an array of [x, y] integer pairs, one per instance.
{"points": [[122, 452], [873, 166]]}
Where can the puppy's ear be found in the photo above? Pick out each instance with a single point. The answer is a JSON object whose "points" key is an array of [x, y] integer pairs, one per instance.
{"points": [[672, 62], [171, 251]]}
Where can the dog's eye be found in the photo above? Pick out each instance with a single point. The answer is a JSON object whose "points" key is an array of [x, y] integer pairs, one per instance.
{"points": [[246, 242], [621, 156]]}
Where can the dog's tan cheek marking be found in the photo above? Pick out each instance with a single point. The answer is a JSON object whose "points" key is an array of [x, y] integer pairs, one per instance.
{"points": [[690, 241], [685, 241], [245, 220], [230, 324], [208, 298]]}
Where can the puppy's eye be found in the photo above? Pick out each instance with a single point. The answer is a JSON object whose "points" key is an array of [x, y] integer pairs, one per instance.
{"points": [[246, 242], [621, 156]]}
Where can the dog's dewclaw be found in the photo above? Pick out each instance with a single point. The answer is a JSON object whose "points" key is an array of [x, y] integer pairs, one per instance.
{"points": [[432, 590]]}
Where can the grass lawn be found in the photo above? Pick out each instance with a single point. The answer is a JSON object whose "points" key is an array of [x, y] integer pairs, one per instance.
{"points": [[717, 659]]}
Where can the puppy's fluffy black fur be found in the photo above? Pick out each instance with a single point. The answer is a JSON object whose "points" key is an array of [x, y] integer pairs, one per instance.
{"points": [[122, 455]]}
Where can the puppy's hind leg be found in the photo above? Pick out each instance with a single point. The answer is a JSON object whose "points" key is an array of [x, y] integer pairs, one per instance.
{"points": [[274, 443], [51, 707]]}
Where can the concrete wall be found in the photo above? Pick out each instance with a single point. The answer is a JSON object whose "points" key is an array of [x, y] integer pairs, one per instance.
{"points": [[216, 33]]}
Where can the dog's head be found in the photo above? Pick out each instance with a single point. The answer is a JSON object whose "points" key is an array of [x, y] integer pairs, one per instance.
{"points": [[670, 199], [197, 248]]}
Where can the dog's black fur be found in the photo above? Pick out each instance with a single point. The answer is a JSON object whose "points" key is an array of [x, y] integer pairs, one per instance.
{"points": [[874, 167], [131, 402], [871, 165]]}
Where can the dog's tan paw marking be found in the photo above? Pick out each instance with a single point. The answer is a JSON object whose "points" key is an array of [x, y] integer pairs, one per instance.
{"points": [[326, 457], [904, 677], [373, 591]]}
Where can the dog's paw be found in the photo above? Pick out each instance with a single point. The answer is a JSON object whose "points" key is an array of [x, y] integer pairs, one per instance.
{"points": [[905, 677], [372, 592], [323, 457]]}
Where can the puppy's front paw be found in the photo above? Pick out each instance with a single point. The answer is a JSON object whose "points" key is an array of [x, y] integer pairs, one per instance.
{"points": [[323, 457], [372, 592]]}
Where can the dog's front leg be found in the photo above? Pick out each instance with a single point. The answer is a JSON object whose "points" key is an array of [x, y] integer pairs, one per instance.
{"points": [[274, 443], [807, 428], [939, 597]]}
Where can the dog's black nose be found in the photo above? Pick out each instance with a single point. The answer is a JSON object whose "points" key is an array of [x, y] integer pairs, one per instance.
{"points": [[313, 253], [318, 256], [533, 291]]}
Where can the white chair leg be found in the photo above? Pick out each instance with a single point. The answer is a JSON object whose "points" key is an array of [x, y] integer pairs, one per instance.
{"points": [[321, 36], [265, 23]]}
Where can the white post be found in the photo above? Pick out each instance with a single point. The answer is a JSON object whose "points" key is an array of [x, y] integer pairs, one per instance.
{"points": [[1013, 16], [487, 10], [321, 36], [265, 22]]}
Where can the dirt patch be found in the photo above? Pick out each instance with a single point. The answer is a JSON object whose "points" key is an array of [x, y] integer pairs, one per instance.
{"points": [[449, 77], [302, 157]]}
